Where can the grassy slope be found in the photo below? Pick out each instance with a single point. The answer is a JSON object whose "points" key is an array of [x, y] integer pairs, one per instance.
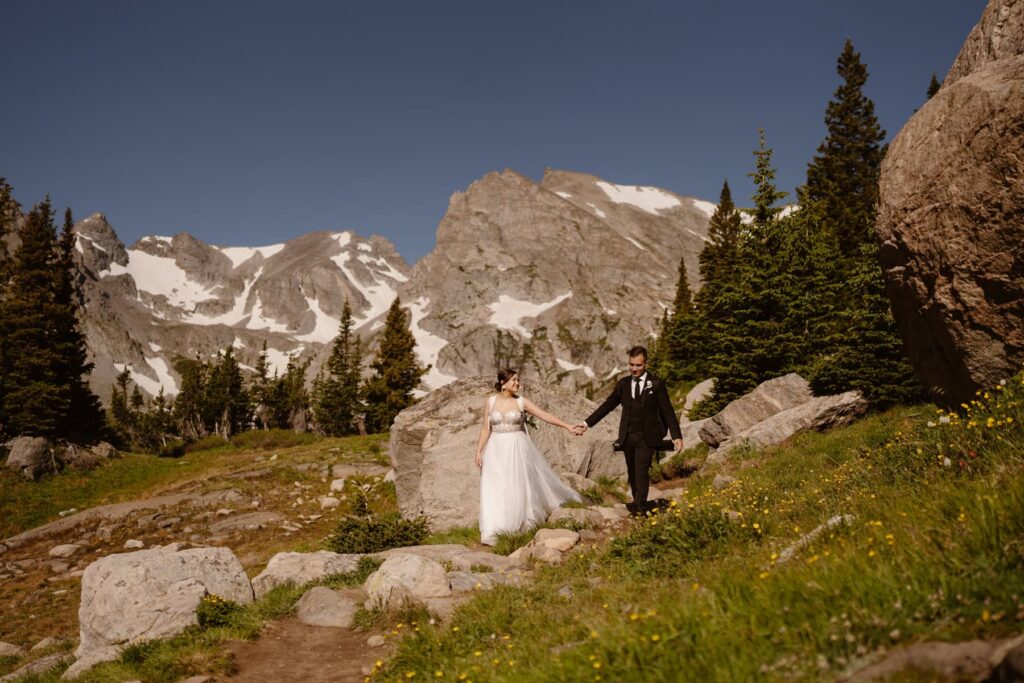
{"points": [[934, 552]]}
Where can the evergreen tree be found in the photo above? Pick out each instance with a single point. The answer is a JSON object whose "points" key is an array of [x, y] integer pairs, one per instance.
{"points": [[842, 179], [260, 389], [155, 425], [44, 354], [864, 349], [677, 341], [226, 396], [397, 372], [121, 414], [859, 339], [336, 389], [190, 405], [933, 86], [287, 398]]}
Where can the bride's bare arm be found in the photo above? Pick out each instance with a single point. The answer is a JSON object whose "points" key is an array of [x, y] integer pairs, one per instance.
{"points": [[533, 409], [485, 432]]}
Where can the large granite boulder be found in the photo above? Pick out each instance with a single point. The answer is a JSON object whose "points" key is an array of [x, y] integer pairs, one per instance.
{"points": [[819, 414], [152, 593], [405, 576], [769, 398], [32, 456], [951, 216], [433, 442]]}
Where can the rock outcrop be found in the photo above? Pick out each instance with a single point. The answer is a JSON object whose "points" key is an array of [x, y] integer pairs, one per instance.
{"points": [[32, 457], [769, 398], [433, 442], [951, 216], [300, 568], [152, 593], [823, 412]]}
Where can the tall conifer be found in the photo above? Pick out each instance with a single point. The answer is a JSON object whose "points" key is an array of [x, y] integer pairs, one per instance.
{"points": [[397, 371], [336, 390]]}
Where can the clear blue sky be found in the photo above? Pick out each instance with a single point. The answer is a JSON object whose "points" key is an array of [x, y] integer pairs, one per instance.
{"points": [[249, 123]]}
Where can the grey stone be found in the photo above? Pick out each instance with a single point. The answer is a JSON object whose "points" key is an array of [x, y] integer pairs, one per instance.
{"points": [[405, 576], [32, 456], [949, 225], [250, 521], [581, 517], [321, 606], [790, 552], [9, 650], [556, 539], [65, 550], [767, 399], [698, 393], [38, 667], [91, 659], [328, 502], [300, 568], [49, 641], [376, 641], [818, 414], [153, 593], [722, 481], [134, 544]]}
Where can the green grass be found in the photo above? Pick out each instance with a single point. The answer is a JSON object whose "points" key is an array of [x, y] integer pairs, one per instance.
{"points": [[463, 535], [935, 551], [25, 504]]}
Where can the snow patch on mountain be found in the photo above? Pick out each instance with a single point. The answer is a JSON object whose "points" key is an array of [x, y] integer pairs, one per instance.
{"points": [[428, 345], [257, 321], [707, 207], [240, 255], [506, 312], [161, 276], [325, 328], [650, 199], [566, 365]]}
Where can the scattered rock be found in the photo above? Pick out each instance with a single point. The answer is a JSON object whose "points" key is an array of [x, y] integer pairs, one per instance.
{"points": [[698, 393], [65, 513], [153, 593], [577, 482], [390, 476], [59, 567], [565, 592], [8, 650], [690, 432], [613, 514], [337, 485], [769, 398], [250, 521], [328, 502], [474, 558], [49, 641], [582, 517], [134, 544], [556, 539], [32, 456], [376, 641], [66, 550], [537, 552], [91, 659], [300, 568], [38, 667], [966, 661], [722, 481], [790, 552], [321, 606], [406, 576]]}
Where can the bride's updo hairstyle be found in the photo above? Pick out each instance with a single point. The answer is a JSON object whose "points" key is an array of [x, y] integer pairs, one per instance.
{"points": [[503, 377]]}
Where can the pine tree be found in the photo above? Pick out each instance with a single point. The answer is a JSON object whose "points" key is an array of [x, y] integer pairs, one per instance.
{"points": [[864, 349], [85, 415], [336, 389], [259, 390], [397, 372], [44, 354], [226, 396], [678, 336], [189, 407], [121, 415], [859, 340], [842, 179], [933, 86]]}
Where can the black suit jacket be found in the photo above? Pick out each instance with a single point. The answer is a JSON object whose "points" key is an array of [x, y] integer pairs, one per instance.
{"points": [[654, 404]]}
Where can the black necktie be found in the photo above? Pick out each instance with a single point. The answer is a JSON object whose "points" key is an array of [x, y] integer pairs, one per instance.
{"points": [[636, 387]]}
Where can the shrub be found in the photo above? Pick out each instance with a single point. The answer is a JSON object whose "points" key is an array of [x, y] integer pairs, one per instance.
{"points": [[174, 448], [507, 542], [658, 544], [266, 439], [214, 611], [373, 533]]}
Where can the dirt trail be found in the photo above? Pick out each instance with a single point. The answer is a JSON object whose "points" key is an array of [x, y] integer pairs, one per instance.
{"points": [[288, 651]]}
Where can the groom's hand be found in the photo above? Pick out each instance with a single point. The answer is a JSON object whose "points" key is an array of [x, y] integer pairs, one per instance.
{"points": [[579, 429], [678, 443]]}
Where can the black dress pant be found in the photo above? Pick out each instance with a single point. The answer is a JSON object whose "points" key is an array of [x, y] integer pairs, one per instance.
{"points": [[638, 467]]}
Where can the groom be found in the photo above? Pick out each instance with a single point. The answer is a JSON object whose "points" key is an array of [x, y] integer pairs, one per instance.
{"points": [[646, 415]]}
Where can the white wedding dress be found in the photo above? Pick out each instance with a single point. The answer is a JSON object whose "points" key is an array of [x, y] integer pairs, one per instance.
{"points": [[518, 488]]}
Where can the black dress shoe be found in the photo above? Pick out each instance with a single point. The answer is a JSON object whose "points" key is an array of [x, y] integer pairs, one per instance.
{"points": [[657, 505], [635, 510]]}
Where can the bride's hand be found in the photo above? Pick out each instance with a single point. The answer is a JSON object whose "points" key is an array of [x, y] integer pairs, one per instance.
{"points": [[479, 462]]}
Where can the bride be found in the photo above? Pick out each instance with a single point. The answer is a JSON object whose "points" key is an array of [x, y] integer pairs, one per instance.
{"points": [[517, 486]]}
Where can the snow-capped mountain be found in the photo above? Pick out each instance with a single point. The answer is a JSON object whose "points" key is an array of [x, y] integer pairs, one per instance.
{"points": [[560, 277]]}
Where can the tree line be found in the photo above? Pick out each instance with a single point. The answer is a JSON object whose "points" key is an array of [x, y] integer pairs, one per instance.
{"points": [[44, 366], [798, 291]]}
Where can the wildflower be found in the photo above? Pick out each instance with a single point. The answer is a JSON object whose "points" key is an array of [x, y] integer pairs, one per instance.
{"points": [[944, 420], [871, 553]]}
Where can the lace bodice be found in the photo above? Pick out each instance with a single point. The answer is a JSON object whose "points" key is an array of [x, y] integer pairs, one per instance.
{"points": [[506, 421]]}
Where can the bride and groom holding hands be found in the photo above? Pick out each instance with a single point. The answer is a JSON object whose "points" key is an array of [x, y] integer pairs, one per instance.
{"points": [[517, 486]]}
